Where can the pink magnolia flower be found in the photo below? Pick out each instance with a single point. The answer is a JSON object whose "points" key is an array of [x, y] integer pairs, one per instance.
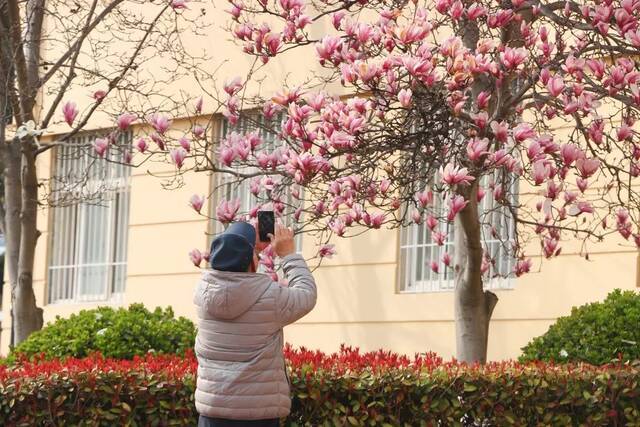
{"points": [[185, 143], [327, 251], [101, 145], [231, 87], [198, 105], [70, 111], [328, 47], [442, 6], [439, 238], [483, 100], [196, 257], [476, 11], [416, 216], [582, 184], [485, 264], [480, 119], [523, 266], [376, 220], [99, 95], [424, 198], [179, 4], [196, 202], [500, 130], [456, 204], [142, 145], [404, 96], [498, 192], [434, 266], [541, 171], [227, 210], [446, 259], [480, 194], [500, 18], [160, 123], [178, 156], [512, 58], [477, 148], [570, 153], [125, 120], [453, 175], [597, 67], [534, 151], [624, 230], [127, 157], [235, 10], [622, 216], [555, 85], [624, 132], [584, 207], [198, 131], [158, 140], [384, 186], [587, 167], [431, 222], [523, 131], [338, 226], [596, 131], [272, 43], [336, 18], [549, 247]]}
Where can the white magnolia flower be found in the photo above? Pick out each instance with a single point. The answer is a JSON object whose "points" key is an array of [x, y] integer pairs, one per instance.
{"points": [[28, 129], [563, 353]]}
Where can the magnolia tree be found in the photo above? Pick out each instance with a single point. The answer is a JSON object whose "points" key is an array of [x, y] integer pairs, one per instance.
{"points": [[75, 64], [531, 104]]}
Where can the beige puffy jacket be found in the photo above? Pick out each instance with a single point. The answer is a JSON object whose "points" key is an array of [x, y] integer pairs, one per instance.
{"points": [[241, 370]]}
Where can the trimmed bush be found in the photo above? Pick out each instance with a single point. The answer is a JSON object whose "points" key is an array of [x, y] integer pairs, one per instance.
{"points": [[595, 333], [121, 334], [348, 388]]}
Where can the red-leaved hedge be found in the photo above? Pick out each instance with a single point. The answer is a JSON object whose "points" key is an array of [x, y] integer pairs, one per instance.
{"points": [[345, 388]]}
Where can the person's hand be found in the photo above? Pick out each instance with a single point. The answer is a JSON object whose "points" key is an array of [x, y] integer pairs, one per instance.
{"points": [[260, 245], [282, 242]]}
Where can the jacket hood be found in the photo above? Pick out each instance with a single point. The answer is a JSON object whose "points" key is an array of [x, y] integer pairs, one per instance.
{"points": [[227, 294]]}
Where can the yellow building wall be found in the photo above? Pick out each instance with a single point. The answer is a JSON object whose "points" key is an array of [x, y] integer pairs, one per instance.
{"points": [[358, 302]]}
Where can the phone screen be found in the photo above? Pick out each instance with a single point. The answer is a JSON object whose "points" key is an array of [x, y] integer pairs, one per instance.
{"points": [[266, 221]]}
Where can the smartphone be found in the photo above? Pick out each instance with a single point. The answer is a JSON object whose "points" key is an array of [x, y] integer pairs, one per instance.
{"points": [[266, 225]]}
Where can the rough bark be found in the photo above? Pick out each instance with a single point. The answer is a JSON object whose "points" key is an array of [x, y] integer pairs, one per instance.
{"points": [[13, 204], [27, 315], [473, 305], [21, 181]]}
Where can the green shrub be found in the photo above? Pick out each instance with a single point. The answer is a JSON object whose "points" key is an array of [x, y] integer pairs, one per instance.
{"points": [[120, 334], [159, 391], [595, 333]]}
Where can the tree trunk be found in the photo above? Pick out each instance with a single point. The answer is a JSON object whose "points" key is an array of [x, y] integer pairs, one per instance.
{"points": [[13, 204], [27, 315], [473, 305]]}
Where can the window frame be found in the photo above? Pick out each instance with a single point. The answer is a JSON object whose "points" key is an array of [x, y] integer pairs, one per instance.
{"points": [[79, 219], [444, 280]]}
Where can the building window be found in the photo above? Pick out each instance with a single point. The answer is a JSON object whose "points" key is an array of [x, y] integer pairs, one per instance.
{"points": [[89, 232], [418, 250], [229, 187]]}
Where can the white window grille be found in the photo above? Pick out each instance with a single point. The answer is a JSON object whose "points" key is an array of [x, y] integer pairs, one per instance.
{"points": [[418, 250], [230, 187], [89, 232]]}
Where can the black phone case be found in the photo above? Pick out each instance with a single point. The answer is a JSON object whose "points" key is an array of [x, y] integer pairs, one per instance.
{"points": [[266, 222]]}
